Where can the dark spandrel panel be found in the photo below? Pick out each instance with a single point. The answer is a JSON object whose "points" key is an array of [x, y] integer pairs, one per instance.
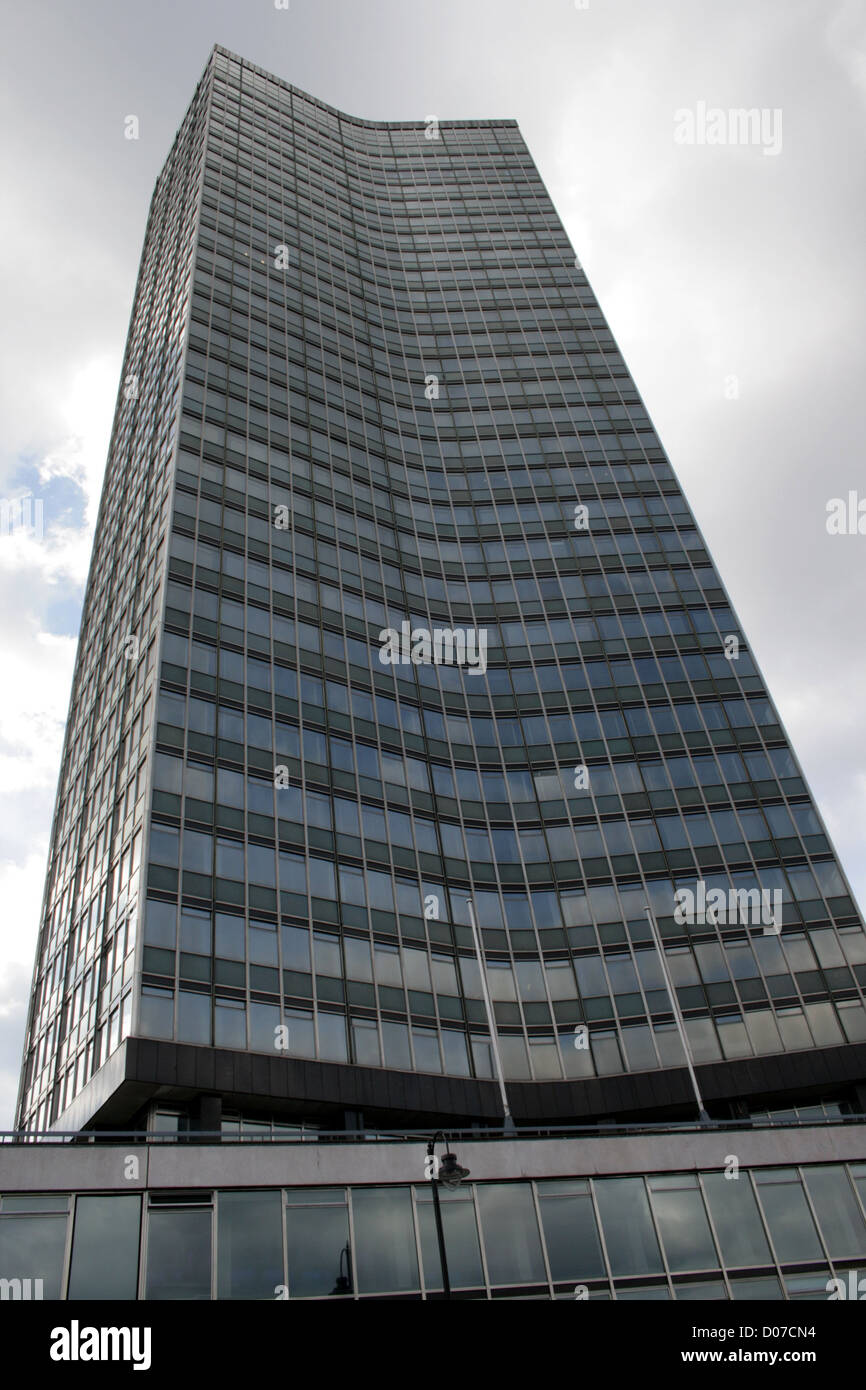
{"points": [[249, 1245], [703, 1291], [178, 1255], [814, 1287], [763, 1288], [631, 1243], [386, 1255], [512, 1244], [105, 1247]]}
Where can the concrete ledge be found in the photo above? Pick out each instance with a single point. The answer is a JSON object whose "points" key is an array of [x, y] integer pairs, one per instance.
{"points": [[70, 1168]]}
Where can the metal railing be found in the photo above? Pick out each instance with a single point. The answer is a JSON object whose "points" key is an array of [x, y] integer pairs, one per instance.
{"points": [[492, 1133]]}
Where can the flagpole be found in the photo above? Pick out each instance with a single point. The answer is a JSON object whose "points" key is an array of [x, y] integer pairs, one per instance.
{"points": [[508, 1122], [675, 1005]]}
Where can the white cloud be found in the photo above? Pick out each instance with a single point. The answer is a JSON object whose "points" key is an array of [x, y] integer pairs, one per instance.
{"points": [[21, 895], [34, 694]]}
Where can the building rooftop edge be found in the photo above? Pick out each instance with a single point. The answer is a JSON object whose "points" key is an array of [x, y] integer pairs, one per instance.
{"points": [[346, 115]]}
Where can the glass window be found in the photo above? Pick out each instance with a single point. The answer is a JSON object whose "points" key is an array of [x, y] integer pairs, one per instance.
{"points": [[317, 1241], [682, 1223], [31, 1247], [157, 1012], [178, 1254], [792, 1229], [365, 1042], [735, 1216], [627, 1225], [230, 1023], [416, 968], [511, 1239], [836, 1208], [425, 1041], [332, 1037], [193, 1017], [570, 1231], [160, 924], [385, 1254], [195, 931], [105, 1248], [296, 948], [460, 1231], [249, 1245]]}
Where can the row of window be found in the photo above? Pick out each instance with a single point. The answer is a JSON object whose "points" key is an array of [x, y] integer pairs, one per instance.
{"points": [[772, 1233], [425, 1045]]}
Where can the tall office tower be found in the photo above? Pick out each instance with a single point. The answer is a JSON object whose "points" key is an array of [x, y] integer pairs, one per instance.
{"points": [[397, 614]]}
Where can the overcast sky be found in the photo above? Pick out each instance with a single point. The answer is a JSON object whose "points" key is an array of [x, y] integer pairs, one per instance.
{"points": [[712, 262]]}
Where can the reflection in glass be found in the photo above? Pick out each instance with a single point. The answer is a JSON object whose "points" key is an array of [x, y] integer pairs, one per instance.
{"points": [[249, 1245], [836, 1208], [105, 1247], [315, 1238], [511, 1239], [792, 1229], [682, 1223], [734, 1212], [628, 1232], [460, 1230], [178, 1254], [386, 1254], [568, 1219], [31, 1247]]}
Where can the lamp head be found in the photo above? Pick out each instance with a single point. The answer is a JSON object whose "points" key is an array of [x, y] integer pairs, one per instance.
{"points": [[451, 1174]]}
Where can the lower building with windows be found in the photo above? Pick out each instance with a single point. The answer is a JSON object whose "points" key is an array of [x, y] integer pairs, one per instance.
{"points": [[766, 1210]]}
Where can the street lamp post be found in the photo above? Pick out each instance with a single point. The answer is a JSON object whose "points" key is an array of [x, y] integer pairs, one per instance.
{"points": [[451, 1174], [344, 1281]]}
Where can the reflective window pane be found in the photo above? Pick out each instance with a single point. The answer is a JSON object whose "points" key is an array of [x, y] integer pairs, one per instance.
{"points": [[570, 1233], [792, 1229], [249, 1244], [836, 1208], [178, 1254], [683, 1227], [761, 1289], [317, 1240], [511, 1239], [734, 1212], [31, 1247], [460, 1231], [105, 1247], [386, 1254], [628, 1232]]}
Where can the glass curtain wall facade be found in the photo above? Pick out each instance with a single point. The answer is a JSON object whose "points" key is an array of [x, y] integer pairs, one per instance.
{"points": [[382, 399], [775, 1234], [83, 988]]}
